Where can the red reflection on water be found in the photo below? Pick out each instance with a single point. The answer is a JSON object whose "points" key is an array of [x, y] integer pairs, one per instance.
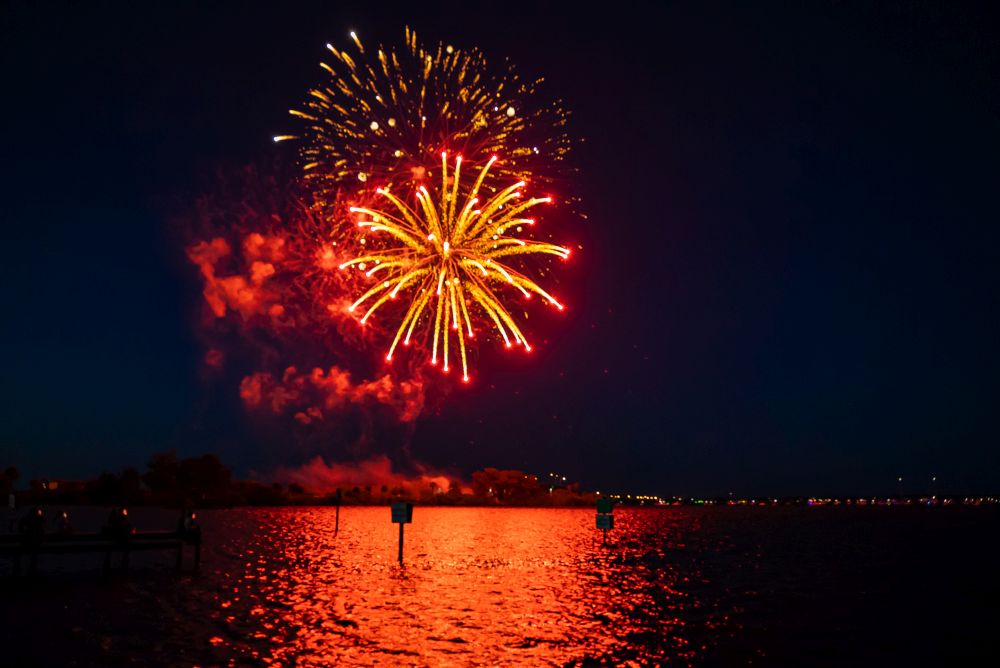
{"points": [[480, 586]]}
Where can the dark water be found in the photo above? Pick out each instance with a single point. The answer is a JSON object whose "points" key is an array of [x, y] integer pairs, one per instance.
{"points": [[724, 586]]}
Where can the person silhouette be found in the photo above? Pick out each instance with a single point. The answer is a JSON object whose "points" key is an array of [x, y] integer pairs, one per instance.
{"points": [[61, 522], [187, 525], [32, 525], [118, 524]]}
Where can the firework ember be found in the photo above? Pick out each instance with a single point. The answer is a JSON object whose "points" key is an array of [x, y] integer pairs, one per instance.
{"points": [[384, 116], [447, 256]]}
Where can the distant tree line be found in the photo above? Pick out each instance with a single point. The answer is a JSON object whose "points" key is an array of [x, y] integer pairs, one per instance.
{"points": [[205, 481], [168, 481], [511, 487]]}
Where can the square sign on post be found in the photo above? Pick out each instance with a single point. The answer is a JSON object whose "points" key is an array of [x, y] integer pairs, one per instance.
{"points": [[605, 520], [402, 512]]}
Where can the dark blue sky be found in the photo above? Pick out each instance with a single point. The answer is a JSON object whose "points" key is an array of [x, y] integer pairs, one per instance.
{"points": [[789, 277]]}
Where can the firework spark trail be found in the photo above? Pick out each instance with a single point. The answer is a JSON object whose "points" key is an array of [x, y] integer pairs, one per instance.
{"points": [[384, 115], [451, 247], [450, 258]]}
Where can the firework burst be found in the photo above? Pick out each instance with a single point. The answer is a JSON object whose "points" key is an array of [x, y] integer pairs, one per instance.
{"points": [[384, 115], [374, 154], [449, 256]]}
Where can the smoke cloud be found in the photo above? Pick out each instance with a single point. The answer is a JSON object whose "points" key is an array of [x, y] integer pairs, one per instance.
{"points": [[247, 294], [276, 328], [318, 393], [321, 477]]}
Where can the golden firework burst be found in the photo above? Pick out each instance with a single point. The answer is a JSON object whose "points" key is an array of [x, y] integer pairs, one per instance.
{"points": [[385, 114], [450, 260]]}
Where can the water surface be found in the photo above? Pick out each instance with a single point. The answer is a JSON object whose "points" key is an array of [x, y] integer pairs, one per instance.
{"points": [[492, 586]]}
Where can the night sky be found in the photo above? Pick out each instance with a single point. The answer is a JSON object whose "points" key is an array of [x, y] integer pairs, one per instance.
{"points": [[789, 276]]}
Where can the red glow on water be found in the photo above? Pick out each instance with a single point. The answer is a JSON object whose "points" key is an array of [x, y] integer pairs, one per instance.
{"points": [[479, 586]]}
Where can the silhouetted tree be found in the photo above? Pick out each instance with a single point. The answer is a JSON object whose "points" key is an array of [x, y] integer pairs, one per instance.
{"points": [[201, 480], [9, 477], [106, 489], [131, 486], [161, 476], [202, 476]]}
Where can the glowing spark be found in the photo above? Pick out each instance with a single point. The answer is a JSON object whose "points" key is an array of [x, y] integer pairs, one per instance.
{"points": [[417, 99], [451, 260]]}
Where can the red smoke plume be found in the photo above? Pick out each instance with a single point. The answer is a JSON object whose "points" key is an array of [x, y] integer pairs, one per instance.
{"points": [[275, 322], [245, 294], [320, 393], [320, 477]]}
